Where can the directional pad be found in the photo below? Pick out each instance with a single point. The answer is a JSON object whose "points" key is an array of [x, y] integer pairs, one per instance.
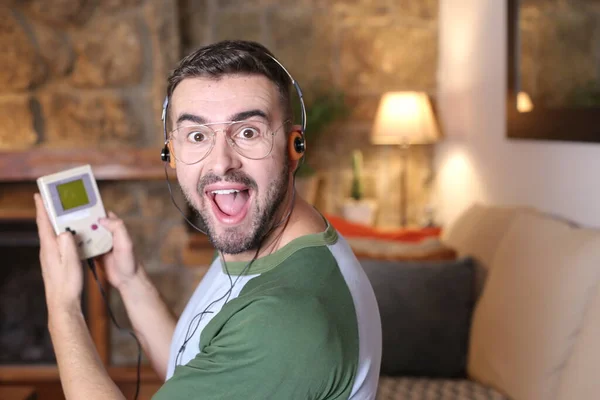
{"points": [[73, 232]]}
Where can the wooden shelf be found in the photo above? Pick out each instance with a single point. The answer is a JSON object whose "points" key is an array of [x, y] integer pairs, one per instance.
{"points": [[199, 241], [199, 252], [49, 373], [18, 392], [17, 214], [107, 164]]}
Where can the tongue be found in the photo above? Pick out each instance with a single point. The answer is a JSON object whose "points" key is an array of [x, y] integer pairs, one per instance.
{"points": [[232, 203]]}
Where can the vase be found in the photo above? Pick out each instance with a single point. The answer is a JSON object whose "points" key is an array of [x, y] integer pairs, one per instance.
{"points": [[360, 211]]}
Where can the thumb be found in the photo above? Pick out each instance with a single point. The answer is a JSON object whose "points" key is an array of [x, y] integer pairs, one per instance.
{"points": [[117, 227], [68, 248]]}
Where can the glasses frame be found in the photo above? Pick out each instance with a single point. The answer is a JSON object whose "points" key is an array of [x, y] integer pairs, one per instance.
{"points": [[229, 141]]}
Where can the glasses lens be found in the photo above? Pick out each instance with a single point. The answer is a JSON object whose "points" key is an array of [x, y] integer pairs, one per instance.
{"points": [[251, 139], [192, 143]]}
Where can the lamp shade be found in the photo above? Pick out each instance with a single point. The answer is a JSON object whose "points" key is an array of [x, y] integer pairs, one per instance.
{"points": [[404, 118]]}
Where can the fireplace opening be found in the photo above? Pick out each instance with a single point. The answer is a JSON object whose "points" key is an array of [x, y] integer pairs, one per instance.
{"points": [[24, 336]]}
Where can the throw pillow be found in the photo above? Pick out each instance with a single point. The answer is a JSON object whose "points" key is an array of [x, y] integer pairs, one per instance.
{"points": [[425, 312]]}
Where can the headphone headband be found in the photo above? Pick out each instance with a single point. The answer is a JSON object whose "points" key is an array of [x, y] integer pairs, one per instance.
{"points": [[298, 90], [294, 83]]}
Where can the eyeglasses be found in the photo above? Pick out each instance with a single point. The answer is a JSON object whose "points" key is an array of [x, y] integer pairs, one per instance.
{"points": [[251, 139]]}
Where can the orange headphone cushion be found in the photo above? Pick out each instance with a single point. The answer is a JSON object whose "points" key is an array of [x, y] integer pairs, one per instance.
{"points": [[172, 154]]}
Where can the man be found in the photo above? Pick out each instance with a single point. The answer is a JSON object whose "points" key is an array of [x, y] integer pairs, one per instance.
{"points": [[285, 312]]}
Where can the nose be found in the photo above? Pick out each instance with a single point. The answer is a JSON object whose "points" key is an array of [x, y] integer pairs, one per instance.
{"points": [[223, 158]]}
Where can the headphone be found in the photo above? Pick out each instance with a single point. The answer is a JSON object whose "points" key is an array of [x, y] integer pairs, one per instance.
{"points": [[296, 144]]}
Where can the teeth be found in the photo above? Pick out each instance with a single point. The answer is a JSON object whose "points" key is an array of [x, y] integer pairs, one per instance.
{"points": [[225, 191]]}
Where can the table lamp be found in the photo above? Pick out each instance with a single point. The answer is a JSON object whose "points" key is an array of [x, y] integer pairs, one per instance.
{"points": [[404, 119]]}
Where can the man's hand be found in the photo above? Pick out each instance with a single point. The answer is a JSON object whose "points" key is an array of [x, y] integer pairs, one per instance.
{"points": [[61, 268], [120, 263]]}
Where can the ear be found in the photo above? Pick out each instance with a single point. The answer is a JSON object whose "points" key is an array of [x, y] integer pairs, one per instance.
{"points": [[172, 158]]}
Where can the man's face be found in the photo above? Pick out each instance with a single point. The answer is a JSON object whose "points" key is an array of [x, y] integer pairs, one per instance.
{"points": [[236, 198]]}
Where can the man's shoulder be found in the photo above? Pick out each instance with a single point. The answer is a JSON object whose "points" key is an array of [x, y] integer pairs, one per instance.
{"points": [[306, 272]]}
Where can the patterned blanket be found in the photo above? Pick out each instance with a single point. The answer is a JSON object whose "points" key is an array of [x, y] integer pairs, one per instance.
{"points": [[434, 389]]}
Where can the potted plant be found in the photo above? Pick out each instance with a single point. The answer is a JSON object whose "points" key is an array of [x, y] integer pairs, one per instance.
{"points": [[357, 208], [324, 107]]}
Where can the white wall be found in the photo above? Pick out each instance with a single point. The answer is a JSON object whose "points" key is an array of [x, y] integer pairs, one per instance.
{"points": [[476, 163]]}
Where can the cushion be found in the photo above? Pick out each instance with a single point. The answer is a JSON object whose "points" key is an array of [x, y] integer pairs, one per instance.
{"points": [[425, 312], [580, 377], [533, 306], [427, 249], [438, 389], [393, 244], [405, 235], [477, 233]]}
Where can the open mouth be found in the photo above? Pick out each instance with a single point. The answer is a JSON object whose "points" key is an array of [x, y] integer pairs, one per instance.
{"points": [[230, 204]]}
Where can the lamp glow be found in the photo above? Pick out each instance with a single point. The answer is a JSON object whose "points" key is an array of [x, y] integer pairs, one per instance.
{"points": [[404, 118]]}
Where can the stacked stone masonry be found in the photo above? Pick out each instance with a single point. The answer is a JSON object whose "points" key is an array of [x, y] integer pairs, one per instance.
{"points": [[75, 73]]}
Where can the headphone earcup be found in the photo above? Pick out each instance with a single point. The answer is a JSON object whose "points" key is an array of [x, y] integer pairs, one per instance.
{"points": [[297, 146], [165, 155]]}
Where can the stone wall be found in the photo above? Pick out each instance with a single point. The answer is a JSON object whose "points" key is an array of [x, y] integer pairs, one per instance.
{"points": [[76, 73], [559, 63], [364, 48]]}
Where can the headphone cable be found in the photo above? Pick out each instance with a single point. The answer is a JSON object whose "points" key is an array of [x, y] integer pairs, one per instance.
{"points": [[176, 206], [92, 266], [188, 335]]}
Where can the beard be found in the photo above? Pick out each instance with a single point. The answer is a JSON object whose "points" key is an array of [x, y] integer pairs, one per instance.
{"points": [[236, 240]]}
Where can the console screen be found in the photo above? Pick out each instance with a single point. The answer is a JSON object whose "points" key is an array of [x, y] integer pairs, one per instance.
{"points": [[72, 194]]}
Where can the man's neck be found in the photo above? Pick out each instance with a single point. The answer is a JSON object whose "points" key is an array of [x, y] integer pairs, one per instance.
{"points": [[303, 220]]}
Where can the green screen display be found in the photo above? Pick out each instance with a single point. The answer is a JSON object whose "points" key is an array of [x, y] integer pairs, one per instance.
{"points": [[72, 194]]}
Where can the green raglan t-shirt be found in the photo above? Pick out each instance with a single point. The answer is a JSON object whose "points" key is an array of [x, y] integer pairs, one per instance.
{"points": [[289, 332]]}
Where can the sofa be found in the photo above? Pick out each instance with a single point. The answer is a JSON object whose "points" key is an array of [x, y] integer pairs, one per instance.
{"points": [[515, 315]]}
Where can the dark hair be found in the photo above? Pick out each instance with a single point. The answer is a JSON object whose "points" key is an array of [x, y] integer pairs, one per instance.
{"points": [[230, 57]]}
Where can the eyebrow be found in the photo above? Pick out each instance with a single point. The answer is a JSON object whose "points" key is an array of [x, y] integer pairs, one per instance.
{"points": [[192, 118], [249, 114], [197, 119]]}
